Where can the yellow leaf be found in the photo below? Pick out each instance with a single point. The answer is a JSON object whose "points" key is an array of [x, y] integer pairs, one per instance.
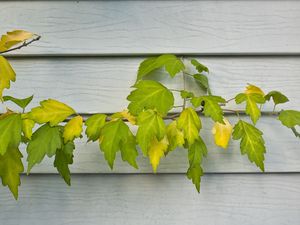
{"points": [[13, 38], [222, 133], [175, 136], [252, 89], [51, 111], [126, 115], [7, 74], [157, 150], [73, 129], [27, 126]]}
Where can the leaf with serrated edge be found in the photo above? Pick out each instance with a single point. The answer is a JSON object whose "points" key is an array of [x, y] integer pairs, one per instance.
{"points": [[63, 158], [7, 74], [252, 89], [189, 122], [195, 154], [19, 101], [45, 140], [175, 136], [156, 151], [222, 133], [51, 111], [150, 125], [73, 129], [11, 128], [199, 66], [10, 168], [211, 106], [113, 136], [278, 97], [290, 118], [27, 126], [125, 114], [13, 38], [252, 142], [150, 95], [94, 125]]}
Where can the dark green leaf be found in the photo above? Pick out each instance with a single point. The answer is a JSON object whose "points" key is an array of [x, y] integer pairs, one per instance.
{"points": [[20, 102]]}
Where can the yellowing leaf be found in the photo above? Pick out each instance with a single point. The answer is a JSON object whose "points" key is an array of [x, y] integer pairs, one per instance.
{"points": [[157, 150], [51, 111], [190, 123], [222, 133], [13, 38], [27, 126], [73, 129], [175, 136], [7, 74], [126, 115], [252, 89]]}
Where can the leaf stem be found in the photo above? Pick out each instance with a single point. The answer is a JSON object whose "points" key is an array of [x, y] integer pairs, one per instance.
{"points": [[38, 37]]}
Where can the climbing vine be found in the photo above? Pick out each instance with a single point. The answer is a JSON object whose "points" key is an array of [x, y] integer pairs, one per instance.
{"points": [[162, 127]]}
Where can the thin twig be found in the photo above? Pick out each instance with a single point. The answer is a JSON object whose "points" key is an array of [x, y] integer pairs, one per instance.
{"points": [[22, 45]]}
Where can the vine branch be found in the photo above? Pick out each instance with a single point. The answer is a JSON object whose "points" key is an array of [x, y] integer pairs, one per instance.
{"points": [[38, 37]]}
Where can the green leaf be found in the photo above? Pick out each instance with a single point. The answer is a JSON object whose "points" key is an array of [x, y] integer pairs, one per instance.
{"points": [[195, 154], [94, 125], [10, 168], [211, 106], [199, 66], [278, 97], [151, 125], [45, 140], [27, 126], [189, 122], [252, 99], [252, 142], [289, 118], [7, 74], [11, 128], [175, 136], [150, 95], [115, 136], [186, 94], [51, 111], [18, 101], [172, 64], [63, 158]]}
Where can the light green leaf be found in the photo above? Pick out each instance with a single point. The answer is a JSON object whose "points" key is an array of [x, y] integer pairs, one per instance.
{"points": [[10, 168], [11, 128], [211, 106], [171, 63], [189, 122], [186, 94], [151, 125], [7, 74], [18, 101], [73, 129], [202, 80], [175, 136], [251, 99], [64, 158], [252, 142], [94, 125], [278, 97], [115, 136], [156, 151], [27, 126], [199, 66], [195, 154], [51, 111], [150, 95], [45, 140], [290, 118]]}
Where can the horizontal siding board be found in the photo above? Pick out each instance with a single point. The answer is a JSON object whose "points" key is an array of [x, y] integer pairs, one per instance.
{"points": [[147, 27], [155, 199], [282, 155], [101, 84]]}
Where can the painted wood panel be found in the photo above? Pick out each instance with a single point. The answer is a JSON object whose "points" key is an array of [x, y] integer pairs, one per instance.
{"points": [[272, 199], [101, 84], [145, 27]]}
